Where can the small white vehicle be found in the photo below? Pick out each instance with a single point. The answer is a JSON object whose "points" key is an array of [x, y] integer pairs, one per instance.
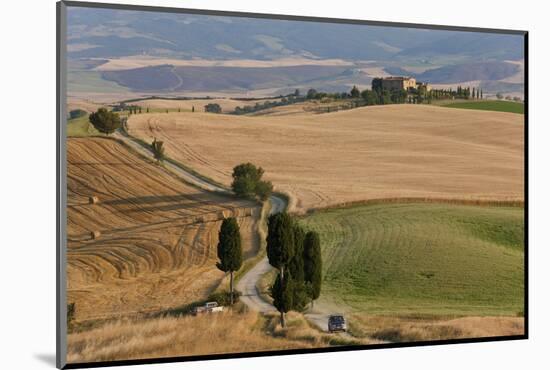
{"points": [[209, 307]]}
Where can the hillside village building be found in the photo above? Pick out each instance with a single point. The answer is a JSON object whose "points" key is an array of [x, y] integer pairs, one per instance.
{"points": [[398, 83]]}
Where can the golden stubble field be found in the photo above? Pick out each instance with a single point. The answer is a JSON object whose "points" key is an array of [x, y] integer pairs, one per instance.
{"points": [[157, 244], [359, 154]]}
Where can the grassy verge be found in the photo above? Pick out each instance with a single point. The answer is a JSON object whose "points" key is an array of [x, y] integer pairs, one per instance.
{"points": [[423, 258], [232, 331], [414, 328], [490, 105], [80, 127]]}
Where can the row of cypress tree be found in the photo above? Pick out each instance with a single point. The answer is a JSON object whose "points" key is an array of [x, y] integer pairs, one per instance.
{"points": [[297, 256], [290, 249]]}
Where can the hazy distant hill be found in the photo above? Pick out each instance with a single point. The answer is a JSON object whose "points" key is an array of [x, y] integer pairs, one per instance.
{"points": [[99, 36], [108, 33], [461, 72]]}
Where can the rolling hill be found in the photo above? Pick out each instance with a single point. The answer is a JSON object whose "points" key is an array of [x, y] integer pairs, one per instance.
{"points": [[420, 258], [365, 153]]}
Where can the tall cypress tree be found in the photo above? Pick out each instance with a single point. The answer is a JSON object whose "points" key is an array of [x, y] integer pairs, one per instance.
{"points": [[313, 264], [230, 251], [280, 241], [282, 294], [296, 270], [280, 251]]}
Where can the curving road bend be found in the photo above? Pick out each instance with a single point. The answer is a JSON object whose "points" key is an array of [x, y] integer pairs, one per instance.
{"points": [[247, 285]]}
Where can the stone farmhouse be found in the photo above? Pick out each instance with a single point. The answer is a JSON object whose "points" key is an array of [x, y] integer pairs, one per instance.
{"points": [[398, 83]]}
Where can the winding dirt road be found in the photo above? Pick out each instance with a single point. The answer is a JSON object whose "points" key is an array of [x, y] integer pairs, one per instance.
{"points": [[247, 285]]}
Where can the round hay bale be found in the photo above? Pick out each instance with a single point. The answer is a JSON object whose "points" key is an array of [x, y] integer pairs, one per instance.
{"points": [[93, 200], [95, 234]]}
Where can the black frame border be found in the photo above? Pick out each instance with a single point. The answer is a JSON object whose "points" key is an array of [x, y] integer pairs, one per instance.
{"points": [[61, 90]]}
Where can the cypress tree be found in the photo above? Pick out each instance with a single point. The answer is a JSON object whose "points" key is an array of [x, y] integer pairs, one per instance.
{"points": [[230, 251], [282, 294], [313, 264], [280, 251], [280, 241], [158, 150], [296, 270]]}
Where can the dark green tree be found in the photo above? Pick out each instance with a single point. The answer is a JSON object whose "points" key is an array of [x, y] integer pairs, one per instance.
{"points": [[193, 109], [158, 150], [282, 294], [376, 84], [370, 97], [313, 264], [230, 251], [105, 121], [296, 264], [300, 292], [147, 109], [311, 94], [247, 182], [355, 93], [264, 189], [280, 241], [212, 108], [385, 97]]}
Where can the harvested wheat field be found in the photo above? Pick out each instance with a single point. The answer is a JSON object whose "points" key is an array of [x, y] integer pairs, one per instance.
{"points": [[139, 239], [84, 104], [365, 153]]}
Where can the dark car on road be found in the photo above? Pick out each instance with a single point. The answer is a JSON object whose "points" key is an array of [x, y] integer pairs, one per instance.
{"points": [[336, 323]]}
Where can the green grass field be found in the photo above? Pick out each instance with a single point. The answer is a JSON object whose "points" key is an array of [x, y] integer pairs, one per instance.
{"points": [[423, 258], [79, 127], [491, 105]]}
